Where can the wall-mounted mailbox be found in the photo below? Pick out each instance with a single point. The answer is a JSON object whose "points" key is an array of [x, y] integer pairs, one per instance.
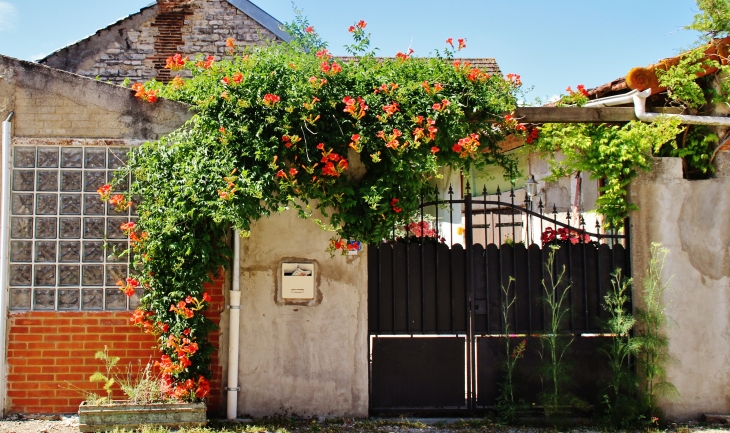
{"points": [[297, 280]]}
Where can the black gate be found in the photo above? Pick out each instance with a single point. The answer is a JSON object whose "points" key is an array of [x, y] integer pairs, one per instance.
{"points": [[435, 306]]}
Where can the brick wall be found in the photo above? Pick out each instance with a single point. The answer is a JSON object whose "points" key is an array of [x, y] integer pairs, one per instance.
{"points": [[50, 352]]}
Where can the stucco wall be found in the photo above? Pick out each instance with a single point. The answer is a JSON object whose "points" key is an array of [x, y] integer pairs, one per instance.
{"points": [[308, 360], [691, 219]]}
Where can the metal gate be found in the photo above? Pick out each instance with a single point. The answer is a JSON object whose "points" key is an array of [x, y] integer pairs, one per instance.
{"points": [[435, 307]]}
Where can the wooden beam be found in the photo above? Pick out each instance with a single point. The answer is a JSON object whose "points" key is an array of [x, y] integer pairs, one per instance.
{"points": [[574, 114], [582, 114]]}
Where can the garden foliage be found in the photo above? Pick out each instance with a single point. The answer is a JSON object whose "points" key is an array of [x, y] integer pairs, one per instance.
{"points": [[350, 144]]}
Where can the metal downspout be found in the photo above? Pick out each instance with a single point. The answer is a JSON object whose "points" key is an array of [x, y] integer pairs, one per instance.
{"points": [[639, 100], [4, 267], [233, 330]]}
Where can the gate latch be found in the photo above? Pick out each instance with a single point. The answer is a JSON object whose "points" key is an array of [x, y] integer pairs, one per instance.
{"points": [[480, 306]]}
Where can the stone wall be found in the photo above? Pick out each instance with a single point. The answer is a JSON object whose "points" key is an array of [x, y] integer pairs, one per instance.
{"points": [[137, 47], [302, 358], [691, 219]]}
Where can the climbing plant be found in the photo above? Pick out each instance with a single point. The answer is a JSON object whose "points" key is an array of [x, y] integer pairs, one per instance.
{"points": [[694, 81], [348, 144]]}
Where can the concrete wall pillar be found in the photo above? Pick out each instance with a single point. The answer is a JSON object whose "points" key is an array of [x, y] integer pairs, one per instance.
{"points": [[307, 358], [691, 219]]}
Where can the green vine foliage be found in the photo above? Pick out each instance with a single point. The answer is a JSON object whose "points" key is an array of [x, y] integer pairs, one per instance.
{"points": [[613, 153], [288, 126]]}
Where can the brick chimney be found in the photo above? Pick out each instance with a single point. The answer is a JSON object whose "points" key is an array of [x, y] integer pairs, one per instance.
{"points": [[169, 21]]}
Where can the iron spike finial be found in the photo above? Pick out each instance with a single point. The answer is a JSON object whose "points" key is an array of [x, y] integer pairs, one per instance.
{"points": [[484, 191], [540, 205], [555, 209], [567, 215], [512, 192], [468, 187], [499, 193], [582, 222], [436, 192], [451, 190], [598, 225]]}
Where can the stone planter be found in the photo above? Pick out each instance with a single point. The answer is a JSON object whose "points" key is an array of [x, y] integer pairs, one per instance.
{"points": [[128, 415]]}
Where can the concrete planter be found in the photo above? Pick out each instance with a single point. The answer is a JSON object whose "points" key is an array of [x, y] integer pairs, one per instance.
{"points": [[128, 415]]}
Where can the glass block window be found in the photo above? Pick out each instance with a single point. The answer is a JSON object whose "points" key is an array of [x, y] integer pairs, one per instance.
{"points": [[64, 241]]}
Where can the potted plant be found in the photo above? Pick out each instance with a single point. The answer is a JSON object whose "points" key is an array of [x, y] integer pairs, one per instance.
{"points": [[151, 400]]}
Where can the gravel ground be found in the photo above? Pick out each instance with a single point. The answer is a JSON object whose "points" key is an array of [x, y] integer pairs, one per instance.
{"points": [[70, 424]]}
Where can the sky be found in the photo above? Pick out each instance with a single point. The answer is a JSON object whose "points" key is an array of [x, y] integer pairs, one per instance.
{"points": [[552, 44]]}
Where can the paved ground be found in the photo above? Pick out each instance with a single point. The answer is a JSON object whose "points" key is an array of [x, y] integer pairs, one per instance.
{"points": [[70, 425]]}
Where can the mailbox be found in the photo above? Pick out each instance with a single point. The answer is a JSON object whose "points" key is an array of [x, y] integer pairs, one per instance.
{"points": [[297, 281]]}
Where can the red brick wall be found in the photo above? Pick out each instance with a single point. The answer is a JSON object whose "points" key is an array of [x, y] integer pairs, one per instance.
{"points": [[169, 21], [51, 354]]}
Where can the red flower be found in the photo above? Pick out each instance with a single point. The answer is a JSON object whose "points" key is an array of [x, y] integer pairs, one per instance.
{"points": [[462, 44], [336, 68], [435, 149], [309, 29], [323, 54], [394, 205], [207, 64], [231, 43], [293, 171], [437, 107], [582, 90], [361, 24], [351, 29], [281, 174], [324, 67], [569, 90], [226, 81], [176, 62], [203, 388], [128, 227], [271, 99], [237, 78], [450, 41], [206, 297], [320, 146]]}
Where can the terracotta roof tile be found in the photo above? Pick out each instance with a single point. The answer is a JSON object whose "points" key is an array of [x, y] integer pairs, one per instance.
{"points": [[489, 65]]}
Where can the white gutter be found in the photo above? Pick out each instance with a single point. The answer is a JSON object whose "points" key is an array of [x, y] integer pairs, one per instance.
{"points": [[4, 268], [639, 101], [233, 330]]}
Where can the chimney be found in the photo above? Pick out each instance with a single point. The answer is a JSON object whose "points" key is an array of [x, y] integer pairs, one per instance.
{"points": [[169, 22]]}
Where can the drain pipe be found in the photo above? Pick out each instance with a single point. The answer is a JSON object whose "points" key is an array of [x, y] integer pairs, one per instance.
{"points": [[233, 330], [638, 98], [4, 232]]}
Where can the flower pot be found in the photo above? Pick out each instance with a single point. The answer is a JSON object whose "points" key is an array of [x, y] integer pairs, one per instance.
{"points": [[129, 415]]}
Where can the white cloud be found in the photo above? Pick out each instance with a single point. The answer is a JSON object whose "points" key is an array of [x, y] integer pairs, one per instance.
{"points": [[8, 17], [554, 98]]}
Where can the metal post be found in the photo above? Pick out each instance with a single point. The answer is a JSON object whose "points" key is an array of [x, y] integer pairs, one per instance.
{"points": [[469, 241]]}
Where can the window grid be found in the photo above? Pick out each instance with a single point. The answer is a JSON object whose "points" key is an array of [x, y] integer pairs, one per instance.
{"points": [[63, 238]]}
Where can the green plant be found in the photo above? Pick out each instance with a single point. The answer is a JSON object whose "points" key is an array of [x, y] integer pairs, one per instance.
{"points": [[140, 385], [609, 152], [506, 404], [652, 321], [107, 379], [143, 385], [620, 398], [554, 345], [287, 126]]}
